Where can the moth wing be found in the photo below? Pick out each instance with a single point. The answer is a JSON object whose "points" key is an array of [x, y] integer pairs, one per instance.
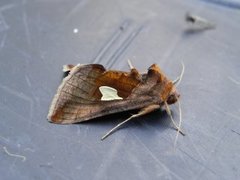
{"points": [[78, 97]]}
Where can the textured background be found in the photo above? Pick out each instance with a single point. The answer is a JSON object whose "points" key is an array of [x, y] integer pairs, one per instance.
{"points": [[37, 37]]}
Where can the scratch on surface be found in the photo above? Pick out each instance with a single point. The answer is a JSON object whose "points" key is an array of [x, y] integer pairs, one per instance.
{"points": [[20, 95], [24, 2], [38, 126], [116, 35], [234, 80], [79, 167], [25, 22], [7, 7], [61, 173], [29, 149], [216, 146], [124, 46], [48, 165], [235, 132], [84, 130], [28, 81], [140, 171], [75, 9], [228, 4], [2, 44], [227, 113], [172, 47], [167, 170], [196, 149], [78, 130], [109, 157], [3, 25], [24, 53], [197, 161], [57, 171], [5, 139], [14, 155], [15, 93]]}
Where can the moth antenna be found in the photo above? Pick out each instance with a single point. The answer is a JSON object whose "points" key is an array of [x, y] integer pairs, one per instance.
{"points": [[130, 64], [180, 121], [177, 81], [170, 115], [117, 126]]}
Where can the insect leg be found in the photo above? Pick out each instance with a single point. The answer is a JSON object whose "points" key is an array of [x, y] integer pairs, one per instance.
{"points": [[143, 111]]}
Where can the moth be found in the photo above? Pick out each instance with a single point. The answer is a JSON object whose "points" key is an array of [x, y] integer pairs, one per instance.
{"points": [[90, 91]]}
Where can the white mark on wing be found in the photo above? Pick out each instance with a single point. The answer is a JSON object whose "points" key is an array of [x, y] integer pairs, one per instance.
{"points": [[109, 93]]}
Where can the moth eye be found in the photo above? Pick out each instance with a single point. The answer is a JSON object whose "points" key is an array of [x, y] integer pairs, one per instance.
{"points": [[173, 98]]}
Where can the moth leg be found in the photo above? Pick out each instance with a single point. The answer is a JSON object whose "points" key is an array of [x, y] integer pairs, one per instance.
{"points": [[143, 111], [170, 114]]}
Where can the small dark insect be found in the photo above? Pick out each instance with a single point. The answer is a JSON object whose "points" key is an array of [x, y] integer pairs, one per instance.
{"points": [[190, 18], [91, 91], [198, 23]]}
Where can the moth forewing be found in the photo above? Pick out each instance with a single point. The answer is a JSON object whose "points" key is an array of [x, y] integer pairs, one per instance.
{"points": [[90, 91]]}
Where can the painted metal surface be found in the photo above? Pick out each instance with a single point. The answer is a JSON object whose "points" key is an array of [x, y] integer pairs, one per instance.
{"points": [[38, 37]]}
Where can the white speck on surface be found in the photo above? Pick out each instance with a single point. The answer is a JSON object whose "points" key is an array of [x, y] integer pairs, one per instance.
{"points": [[14, 155], [75, 30]]}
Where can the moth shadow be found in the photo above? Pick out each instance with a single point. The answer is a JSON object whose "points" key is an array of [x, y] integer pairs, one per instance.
{"points": [[158, 120], [110, 120], [190, 32]]}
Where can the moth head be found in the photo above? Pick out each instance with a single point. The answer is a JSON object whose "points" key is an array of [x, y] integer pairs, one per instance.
{"points": [[173, 96]]}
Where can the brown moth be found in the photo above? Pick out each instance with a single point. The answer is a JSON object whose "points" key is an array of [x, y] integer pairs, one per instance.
{"points": [[79, 97]]}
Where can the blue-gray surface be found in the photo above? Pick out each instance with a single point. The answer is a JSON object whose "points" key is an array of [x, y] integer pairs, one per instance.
{"points": [[37, 37]]}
